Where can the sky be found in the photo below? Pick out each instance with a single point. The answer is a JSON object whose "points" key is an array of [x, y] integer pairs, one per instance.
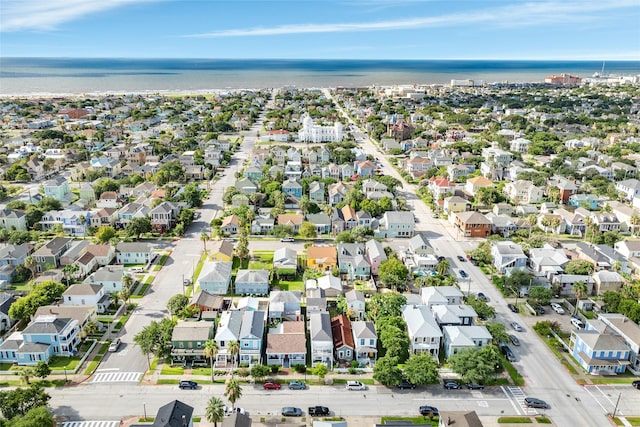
{"points": [[311, 29]]}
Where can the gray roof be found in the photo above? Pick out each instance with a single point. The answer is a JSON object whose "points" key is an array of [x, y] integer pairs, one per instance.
{"points": [[320, 327], [47, 325], [599, 342], [253, 276], [192, 331], [134, 247], [252, 325], [109, 273], [171, 415], [83, 289], [362, 329], [206, 299], [216, 272]]}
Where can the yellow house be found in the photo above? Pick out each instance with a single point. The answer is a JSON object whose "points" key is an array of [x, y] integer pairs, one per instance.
{"points": [[221, 251], [455, 204], [474, 184], [322, 257]]}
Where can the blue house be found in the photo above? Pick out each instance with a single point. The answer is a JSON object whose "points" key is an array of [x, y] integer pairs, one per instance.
{"points": [[252, 282], [292, 188], [598, 350], [215, 277], [251, 337], [46, 336], [587, 201]]}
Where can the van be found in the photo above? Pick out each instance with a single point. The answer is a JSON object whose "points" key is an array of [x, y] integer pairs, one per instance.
{"points": [[355, 385], [577, 323]]}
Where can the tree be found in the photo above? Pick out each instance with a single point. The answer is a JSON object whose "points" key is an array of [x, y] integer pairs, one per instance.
{"points": [[488, 196], [215, 410], [386, 371], [308, 230], [42, 294], [484, 310], [421, 369], [540, 295], [260, 372], [30, 263], [497, 331], [138, 226], [42, 370], [517, 280], [233, 391], [482, 254], [192, 195], [18, 402], [442, 267], [156, 338], [233, 348], [26, 374], [204, 237], [393, 274], [105, 233], [34, 417], [242, 248], [320, 370], [477, 366], [385, 305], [211, 349], [580, 289], [68, 271], [579, 267], [532, 220], [177, 303]]}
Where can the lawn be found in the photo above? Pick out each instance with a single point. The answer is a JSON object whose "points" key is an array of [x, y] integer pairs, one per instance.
{"points": [[289, 285], [260, 265], [514, 420], [513, 372], [613, 380], [413, 420], [172, 371]]}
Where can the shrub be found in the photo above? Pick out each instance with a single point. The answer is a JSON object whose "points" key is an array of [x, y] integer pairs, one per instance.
{"points": [[301, 369]]}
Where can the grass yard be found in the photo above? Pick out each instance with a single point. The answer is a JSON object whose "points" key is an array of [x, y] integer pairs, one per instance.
{"points": [[514, 420], [60, 363], [159, 265], [289, 285], [172, 371], [634, 421], [92, 365], [613, 380], [513, 372], [413, 420], [260, 265]]}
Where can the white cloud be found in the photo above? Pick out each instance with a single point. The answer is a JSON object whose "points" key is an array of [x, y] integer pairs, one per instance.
{"points": [[523, 14], [20, 15]]}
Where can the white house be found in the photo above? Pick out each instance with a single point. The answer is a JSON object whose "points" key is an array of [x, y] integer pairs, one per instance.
{"points": [[424, 333]]}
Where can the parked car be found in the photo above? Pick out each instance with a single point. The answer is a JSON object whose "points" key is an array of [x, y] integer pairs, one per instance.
{"points": [[230, 411], [270, 385], [539, 309], [317, 411], [463, 274], [184, 384], [483, 297], [287, 239], [297, 385], [577, 323], [508, 353], [290, 411], [513, 308], [514, 340], [115, 344], [474, 386], [426, 411], [517, 327], [451, 385], [557, 308], [355, 385], [636, 384], [532, 402], [461, 258], [229, 239], [406, 384]]}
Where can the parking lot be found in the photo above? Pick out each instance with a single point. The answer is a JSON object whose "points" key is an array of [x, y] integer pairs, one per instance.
{"points": [[608, 395]]}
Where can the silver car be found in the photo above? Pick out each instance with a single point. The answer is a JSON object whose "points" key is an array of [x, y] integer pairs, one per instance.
{"points": [[516, 326]]}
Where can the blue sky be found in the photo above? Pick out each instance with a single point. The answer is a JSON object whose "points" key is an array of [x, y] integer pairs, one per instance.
{"points": [[300, 29]]}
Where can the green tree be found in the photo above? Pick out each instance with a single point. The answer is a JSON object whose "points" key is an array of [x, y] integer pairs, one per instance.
{"points": [[497, 331], [477, 366], [68, 271], [34, 417], [233, 391], [260, 372], [385, 305], [177, 303], [320, 370], [233, 348], [192, 195], [204, 237], [386, 371], [517, 280], [442, 268], [421, 369], [482, 254], [540, 295], [215, 410], [105, 233], [579, 267], [393, 274], [211, 349], [156, 338], [42, 370], [19, 401], [138, 226], [484, 310], [308, 230]]}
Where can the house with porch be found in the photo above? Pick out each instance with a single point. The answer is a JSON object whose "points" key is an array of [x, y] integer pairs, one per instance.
{"points": [[343, 344], [285, 305], [228, 331], [215, 277], [352, 262], [134, 253], [110, 277], [356, 303], [252, 282], [322, 258], [424, 333], [507, 255], [87, 294], [599, 351], [321, 339], [251, 336], [375, 255], [188, 340], [628, 332], [458, 338], [365, 339], [287, 344]]}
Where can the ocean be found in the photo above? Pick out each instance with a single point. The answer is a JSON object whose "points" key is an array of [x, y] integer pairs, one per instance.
{"points": [[67, 76]]}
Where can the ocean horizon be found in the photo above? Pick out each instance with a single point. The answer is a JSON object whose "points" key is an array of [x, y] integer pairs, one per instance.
{"points": [[75, 76]]}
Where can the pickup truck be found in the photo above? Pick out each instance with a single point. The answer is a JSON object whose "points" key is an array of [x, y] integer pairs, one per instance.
{"points": [[315, 411]]}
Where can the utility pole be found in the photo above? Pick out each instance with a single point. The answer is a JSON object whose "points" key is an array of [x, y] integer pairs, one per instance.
{"points": [[615, 409]]}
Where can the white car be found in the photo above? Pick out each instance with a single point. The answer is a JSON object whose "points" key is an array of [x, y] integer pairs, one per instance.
{"points": [[577, 323], [557, 308], [115, 344], [355, 385]]}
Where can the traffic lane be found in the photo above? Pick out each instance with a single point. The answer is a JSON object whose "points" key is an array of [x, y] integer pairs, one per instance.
{"points": [[607, 396]]}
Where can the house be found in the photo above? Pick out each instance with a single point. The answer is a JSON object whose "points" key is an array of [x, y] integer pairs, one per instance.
{"points": [[215, 277], [472, 224], [44, 337], [108, 199], [349, 217], [337, 193], [230, 225], [343, 344], [523, 191], [565, 186], [164, 216], [507, 254], [173, 414], [352, 261], [209, 303], [458, 338], [447, 295], [396, 224], [58, 188], [321, 222], [291, 220], [441, 187], [83, 314], [503, 225], [605, 280], [292, 187], [375, 254], [460, 314], [629, 187], [104, 254], [316, 192], [454, 204], [476, 183], [547, 260], [628, 248], [287, 344], [109, 276], [418, 246], [87, 294], [188, 340], [251, 336], [323, 258], [252, 282], [11, 219], [628, 332], [14, 255], [331, 285], [586, 201], [263, 224], [598, 350], [321, 339], [134, 253], [50, 253], [424, 332], [228, 331], [564, 283], [221, 251], [519, 145], [246, 186], [6, 322], [285, 262], [355, 303], [365, 339], [284, 305], [248, 304]]}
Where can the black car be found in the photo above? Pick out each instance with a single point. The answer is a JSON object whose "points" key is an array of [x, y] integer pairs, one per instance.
{"points": [[636, 384], [451, 385], [540, 309], [191, 385], [461, 258], [483, 297], [429, 411], [463, 273], [514, 340], [406, 384], [532, 402], [508, 353], [474, 386], [513, 308]]}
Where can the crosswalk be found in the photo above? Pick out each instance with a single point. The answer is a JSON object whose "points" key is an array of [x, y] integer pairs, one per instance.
{"points": [[116, 377], [519, 396], [91, 424]]}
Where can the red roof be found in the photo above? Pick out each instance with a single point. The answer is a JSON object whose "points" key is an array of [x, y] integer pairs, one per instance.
{"points": [[341, 330]]}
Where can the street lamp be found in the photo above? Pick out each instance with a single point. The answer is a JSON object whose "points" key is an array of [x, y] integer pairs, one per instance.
{"points": [[144, 408], [65, 375]]}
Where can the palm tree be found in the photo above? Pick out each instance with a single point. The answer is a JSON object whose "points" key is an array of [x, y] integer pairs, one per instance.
{"points": [[211, 349], [26, 374], [532, 220], [204, 237], [233, 391], [443, 267], [83, 222], [233, 348], [124, 296], [580, 289], [127, 282], [635, 222], [215, 410], [68, 271]]}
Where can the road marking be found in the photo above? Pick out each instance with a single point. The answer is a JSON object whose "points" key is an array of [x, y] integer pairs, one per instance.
{"points": [[587, 387], [91, 424], [483, 403], [117, 377], [107, 369]]}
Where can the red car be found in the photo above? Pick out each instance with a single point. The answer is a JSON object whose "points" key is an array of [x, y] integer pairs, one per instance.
{"points": [[270, 385]]}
